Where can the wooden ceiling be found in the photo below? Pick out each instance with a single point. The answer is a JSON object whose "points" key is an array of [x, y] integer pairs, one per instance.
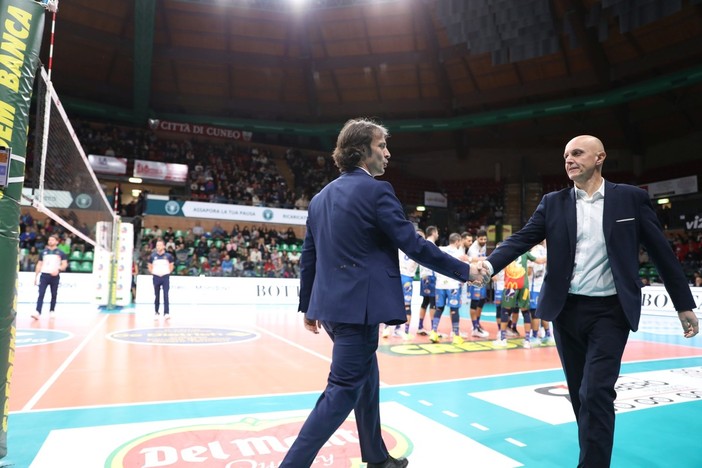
{"points": [[389, 59]]}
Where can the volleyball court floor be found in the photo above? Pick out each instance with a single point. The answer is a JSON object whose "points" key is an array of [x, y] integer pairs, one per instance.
{"points": [[230, 386]]}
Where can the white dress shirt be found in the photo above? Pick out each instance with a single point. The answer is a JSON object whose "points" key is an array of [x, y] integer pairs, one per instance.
{"points": [[592, 275]]}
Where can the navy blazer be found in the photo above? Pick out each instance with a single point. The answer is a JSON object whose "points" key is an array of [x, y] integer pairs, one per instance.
{"points": [[628, 221], [349, 268]]}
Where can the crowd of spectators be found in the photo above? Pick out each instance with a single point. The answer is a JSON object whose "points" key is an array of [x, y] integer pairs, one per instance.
{"points": [[219, 171], [248, 251], [33, 238], [688, 250], [240, 173]]}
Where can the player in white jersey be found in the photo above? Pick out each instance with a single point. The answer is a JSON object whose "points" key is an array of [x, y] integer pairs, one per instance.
{"points": [[478, 293], [408, 268], [538, 272], [448, 292], [161, 264], [51, 262], [427, 281]]}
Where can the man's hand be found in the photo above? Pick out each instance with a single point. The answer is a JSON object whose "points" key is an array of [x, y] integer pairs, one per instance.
{"points": [[479, 274], [312, 325], [690, 324]]}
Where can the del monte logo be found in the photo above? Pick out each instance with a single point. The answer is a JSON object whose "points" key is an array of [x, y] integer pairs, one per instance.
{"points": [[247, 443]]}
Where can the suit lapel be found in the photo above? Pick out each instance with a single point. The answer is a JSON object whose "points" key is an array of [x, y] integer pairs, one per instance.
{"points": [[607, 212], [571, 216]]}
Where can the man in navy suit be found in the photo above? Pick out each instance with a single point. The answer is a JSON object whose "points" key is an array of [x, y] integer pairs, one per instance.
{"points": [[592, 291], [350, 283]]}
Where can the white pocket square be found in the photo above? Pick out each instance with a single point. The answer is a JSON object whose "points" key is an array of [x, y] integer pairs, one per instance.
{"points": [[624, 220]]}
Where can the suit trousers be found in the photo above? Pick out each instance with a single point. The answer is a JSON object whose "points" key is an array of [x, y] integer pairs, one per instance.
{"points": [[353, 384], [52, 282], [591, 333], [162, 282]]}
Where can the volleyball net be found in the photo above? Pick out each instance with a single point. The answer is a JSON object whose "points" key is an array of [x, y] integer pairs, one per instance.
{"points": [[62, 184]]}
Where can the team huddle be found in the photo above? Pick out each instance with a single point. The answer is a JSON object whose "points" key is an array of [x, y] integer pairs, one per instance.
{"points": [[515, 289]]}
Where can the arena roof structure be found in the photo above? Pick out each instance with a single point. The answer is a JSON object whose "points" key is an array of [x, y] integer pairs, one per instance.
{"points": [[455, 74]]}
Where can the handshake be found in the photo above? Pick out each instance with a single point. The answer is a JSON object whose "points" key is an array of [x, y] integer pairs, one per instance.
{"points": [[480, 273]]}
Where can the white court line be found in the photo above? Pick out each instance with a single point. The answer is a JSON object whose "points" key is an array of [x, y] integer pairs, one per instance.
{"points": [[450, 413], [480, 427], [515, 442], [37, 396], [299, 346], [404, 393], [426, 403]]}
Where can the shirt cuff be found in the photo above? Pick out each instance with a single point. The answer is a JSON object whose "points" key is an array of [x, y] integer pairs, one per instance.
{"points": [[488, 266]]}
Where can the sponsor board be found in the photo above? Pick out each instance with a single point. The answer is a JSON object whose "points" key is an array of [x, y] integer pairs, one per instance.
{"points": [[222, 290], [183, 336], [550, 402], [73, 288], [424, 349], [253, 441], [656, 301]]}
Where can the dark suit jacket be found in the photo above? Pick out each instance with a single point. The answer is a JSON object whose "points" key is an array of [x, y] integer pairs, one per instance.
{"points": [[628, 220], [349, 269]]}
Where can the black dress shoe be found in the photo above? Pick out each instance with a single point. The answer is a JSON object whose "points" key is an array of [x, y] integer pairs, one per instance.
{"points": [[390, 463]]}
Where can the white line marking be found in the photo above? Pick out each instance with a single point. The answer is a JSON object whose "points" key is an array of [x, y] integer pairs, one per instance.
{"points": [[37, 396], [449, 413], [515, 442], [404, 393], [300, 347], [480, 427], [426, 403]]}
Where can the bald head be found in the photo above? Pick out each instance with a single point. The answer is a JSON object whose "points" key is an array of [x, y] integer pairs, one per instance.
{"points": [[588, 141], [584, 156]]}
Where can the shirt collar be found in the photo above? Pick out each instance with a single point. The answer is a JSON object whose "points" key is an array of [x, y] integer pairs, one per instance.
{"points": [[364, 170], [599, 193]]}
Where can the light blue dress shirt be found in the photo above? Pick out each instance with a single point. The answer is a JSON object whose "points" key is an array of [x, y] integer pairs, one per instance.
{"points": [[592, 275]]}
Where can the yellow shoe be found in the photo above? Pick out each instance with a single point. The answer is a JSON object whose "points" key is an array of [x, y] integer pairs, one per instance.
{"points": [[433, 337], [457, 340]]}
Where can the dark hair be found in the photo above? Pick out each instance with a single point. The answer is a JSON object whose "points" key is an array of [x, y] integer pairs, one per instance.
{"points": [[430, 230], [466, 234], [482, 233], [354, 141]]}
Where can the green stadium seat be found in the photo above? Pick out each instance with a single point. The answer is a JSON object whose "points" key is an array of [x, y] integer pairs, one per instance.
{"points": [[86, 267], [643, 272], [76, 255], [88, 256], [652, 273], [179, 233], [219, 244], [74, 266]]}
